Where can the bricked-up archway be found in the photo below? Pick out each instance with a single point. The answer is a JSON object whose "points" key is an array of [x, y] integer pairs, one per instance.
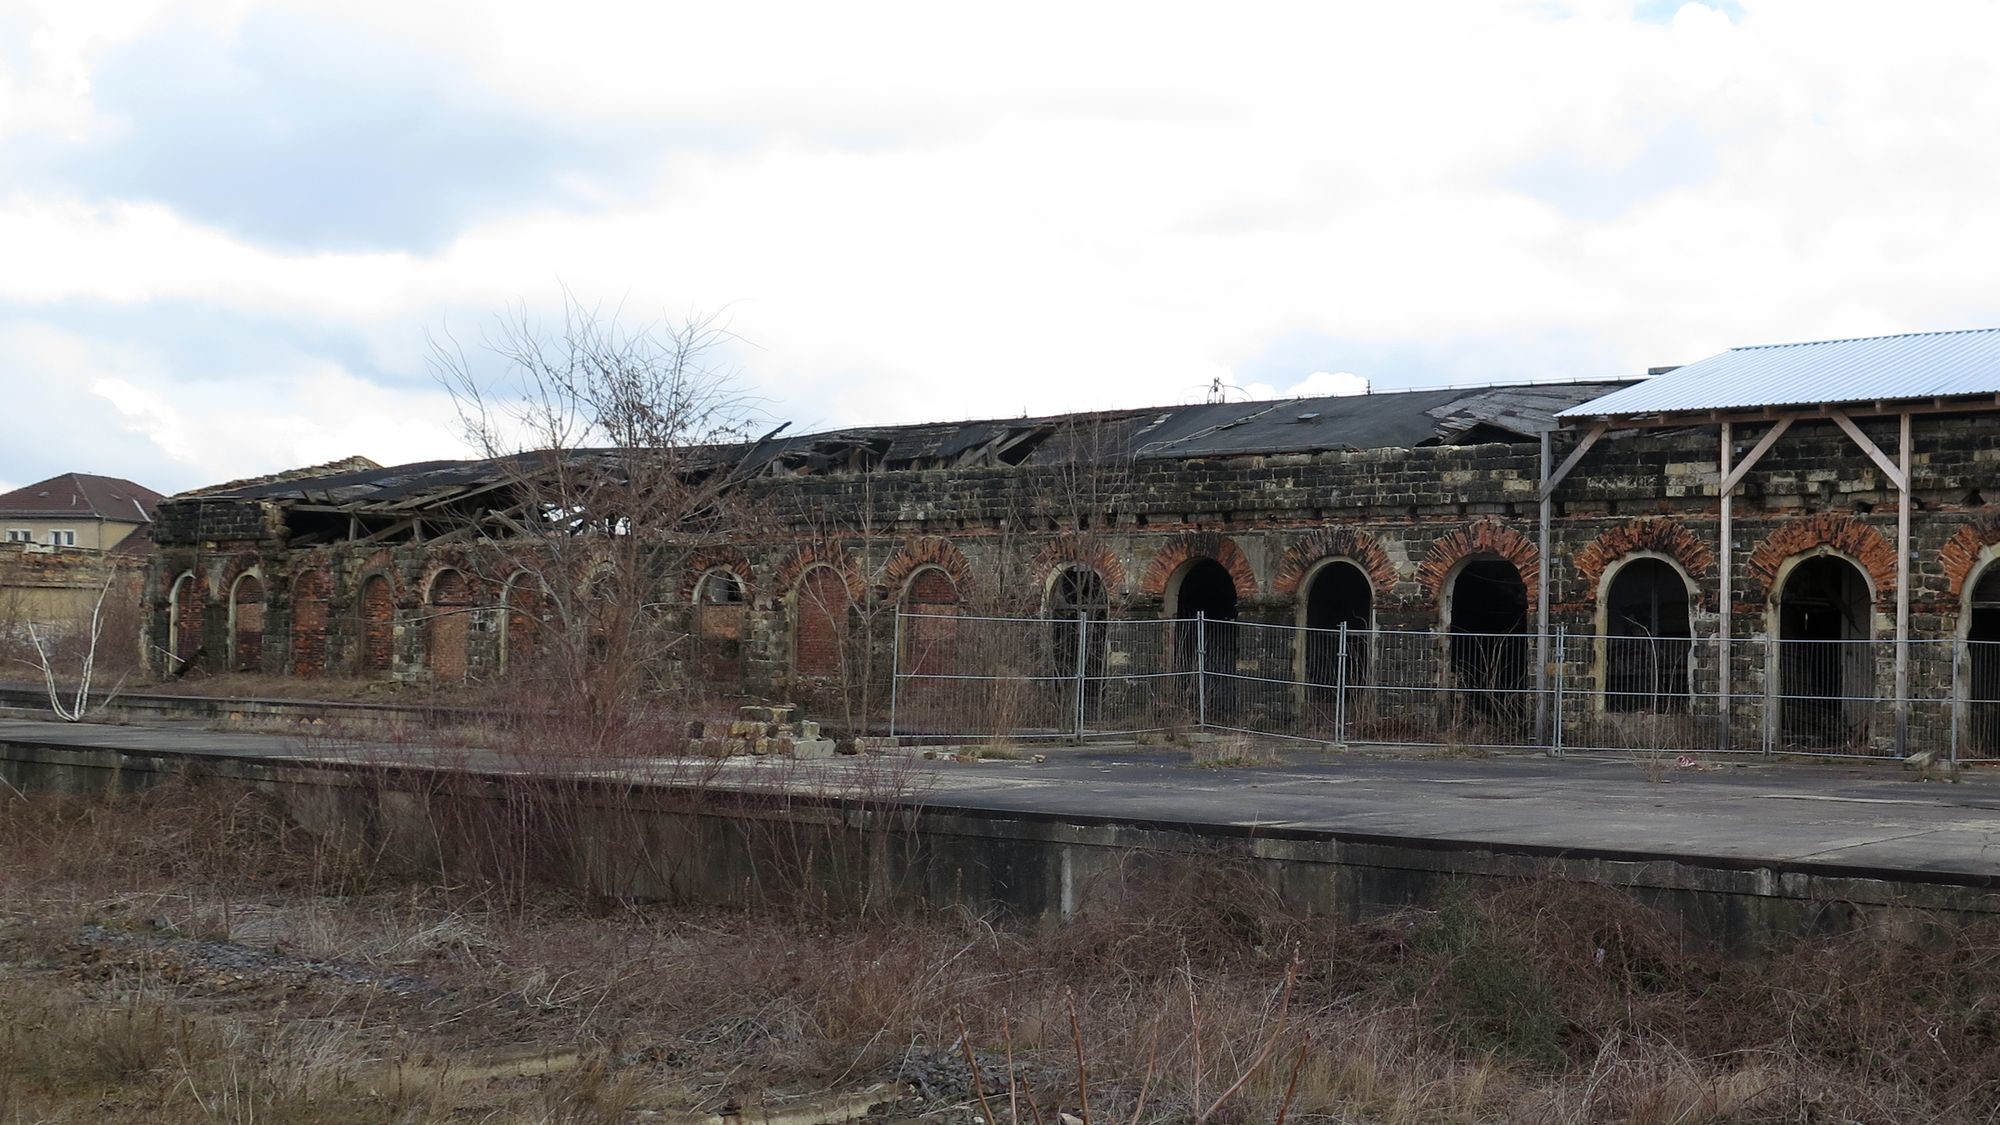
{"points": [[524, 619], [310, 592], [187, 604], [821, 602], [721, 602], [375, 614], [1826, 678], [246, 623], [448, 626], [930, 632]]}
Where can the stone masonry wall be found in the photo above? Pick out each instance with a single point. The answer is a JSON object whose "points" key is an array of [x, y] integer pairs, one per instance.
{"points": [[1406, 518]]}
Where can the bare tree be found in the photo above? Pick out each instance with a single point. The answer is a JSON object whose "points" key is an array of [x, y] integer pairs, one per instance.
{"points": [[615, 453]]}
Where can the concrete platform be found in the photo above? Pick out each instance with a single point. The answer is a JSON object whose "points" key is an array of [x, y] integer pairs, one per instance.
{"points": [[1611, 819]]}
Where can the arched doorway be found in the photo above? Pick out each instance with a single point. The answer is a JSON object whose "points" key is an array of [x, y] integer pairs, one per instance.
{"points": [[1078, 599], [447, 626], [376, 610], [1337, 595], [1488, 611], [246, 624], [1982, 642], [1648, 638], [1826, 678], [1204, 589]]}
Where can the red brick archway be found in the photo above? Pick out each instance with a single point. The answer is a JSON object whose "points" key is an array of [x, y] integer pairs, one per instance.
{"points": [[1482, 538], [310, 592], [448, 626], [187, 610], [1959, 557], [376, 614], [820, 605], [246, 623], [1202, 545], [1353, 544], [1867, 547], [1658, 535]]}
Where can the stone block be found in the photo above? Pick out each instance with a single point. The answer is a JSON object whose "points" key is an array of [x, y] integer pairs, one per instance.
{"points": [[813, 748]]}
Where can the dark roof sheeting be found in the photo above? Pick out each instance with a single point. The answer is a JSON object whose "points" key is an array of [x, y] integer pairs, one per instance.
{"points": [[1386, 420], [1926, 365]]}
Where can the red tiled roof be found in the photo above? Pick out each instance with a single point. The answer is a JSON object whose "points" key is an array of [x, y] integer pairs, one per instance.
{"points": [[83, 495]]}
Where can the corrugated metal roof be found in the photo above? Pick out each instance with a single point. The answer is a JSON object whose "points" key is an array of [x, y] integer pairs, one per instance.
{"points": [[1921, 365]]}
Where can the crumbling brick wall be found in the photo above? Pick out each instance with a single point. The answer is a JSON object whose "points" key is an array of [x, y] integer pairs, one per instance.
{"points": [[1406, 518]]}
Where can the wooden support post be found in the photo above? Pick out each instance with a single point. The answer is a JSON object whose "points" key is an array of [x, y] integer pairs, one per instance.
{"points": [[1903, 589], [1726, 485], [1542, 578]]}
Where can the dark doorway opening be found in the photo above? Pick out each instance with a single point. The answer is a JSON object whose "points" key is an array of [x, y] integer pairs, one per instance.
{"points": [[1982, 636], [1207, 591], [1825, 674], [1338, 594], [1489, 643], [1078, 593], [1648, 639]]}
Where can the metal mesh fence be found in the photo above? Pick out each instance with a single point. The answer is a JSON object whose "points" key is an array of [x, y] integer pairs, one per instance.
{"points": [[999, 678]]}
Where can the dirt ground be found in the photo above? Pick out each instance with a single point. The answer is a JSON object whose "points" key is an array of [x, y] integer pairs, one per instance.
{"points": [[187, 954]]}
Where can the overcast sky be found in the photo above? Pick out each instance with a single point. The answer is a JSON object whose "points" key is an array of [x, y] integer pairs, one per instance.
{"points": [[226, 228]]}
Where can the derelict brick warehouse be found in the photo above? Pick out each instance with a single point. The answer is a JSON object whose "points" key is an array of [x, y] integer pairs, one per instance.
{"points": [[1487, 519]]}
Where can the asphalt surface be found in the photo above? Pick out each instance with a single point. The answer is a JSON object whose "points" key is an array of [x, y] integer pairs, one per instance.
{"points": [[1863, 817]]}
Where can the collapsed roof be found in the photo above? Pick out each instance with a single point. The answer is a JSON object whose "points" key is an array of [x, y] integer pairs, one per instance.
{"points": [[1386, 420]]}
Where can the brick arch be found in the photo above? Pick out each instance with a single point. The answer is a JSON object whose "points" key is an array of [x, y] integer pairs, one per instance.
{"points": [[1960, 556], [715, 558], [1088, 552], [187, 612], [1658, 534], [917, 554], [1841, 533], [1200, 545], [786, 577], [1484, 537], [1334, 543], [312, 593], [375, 601]]}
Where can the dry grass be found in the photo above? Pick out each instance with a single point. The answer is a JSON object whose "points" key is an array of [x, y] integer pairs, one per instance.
{"points": [[246, 971]]}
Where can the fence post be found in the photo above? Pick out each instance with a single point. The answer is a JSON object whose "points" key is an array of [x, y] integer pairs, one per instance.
{"points": [[1340, 690], [1082, 667], [1556, 724], [895, 669], [1960, 697], [1201, 669], [1773, 701]]}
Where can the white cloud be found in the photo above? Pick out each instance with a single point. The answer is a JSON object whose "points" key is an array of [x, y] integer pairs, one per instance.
{"points": [[922, 211]]}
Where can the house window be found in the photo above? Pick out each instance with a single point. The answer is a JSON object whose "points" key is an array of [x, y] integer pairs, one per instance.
{"points": [[20, 535], [62, 538]]}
